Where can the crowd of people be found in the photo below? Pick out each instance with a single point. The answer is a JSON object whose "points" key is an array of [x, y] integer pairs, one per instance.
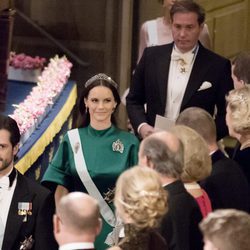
{"points": [[173, 189]]}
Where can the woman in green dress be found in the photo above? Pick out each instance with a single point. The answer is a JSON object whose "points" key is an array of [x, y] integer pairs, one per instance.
{"points": [[91, 158]]}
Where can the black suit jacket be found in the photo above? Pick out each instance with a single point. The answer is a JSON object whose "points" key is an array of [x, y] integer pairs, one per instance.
{"points": [[39, 224], [227, 187], [180, 225], [150, 80]]}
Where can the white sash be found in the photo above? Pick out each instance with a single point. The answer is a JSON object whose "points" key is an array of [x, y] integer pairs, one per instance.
{"points": [[87, 181]]}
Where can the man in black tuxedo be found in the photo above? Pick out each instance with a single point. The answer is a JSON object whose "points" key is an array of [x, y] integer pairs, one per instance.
{"points": [[26, 208], [77, 221], [172, 77], [227, 186], [163, 152]]}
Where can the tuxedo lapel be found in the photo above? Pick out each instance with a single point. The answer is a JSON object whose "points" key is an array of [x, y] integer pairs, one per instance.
{"points": [[14, 221], [196, 76], [163, 62]]}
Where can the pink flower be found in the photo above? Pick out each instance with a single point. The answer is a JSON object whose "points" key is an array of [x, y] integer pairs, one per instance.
{"points": [[49, 86], [23, 61]]}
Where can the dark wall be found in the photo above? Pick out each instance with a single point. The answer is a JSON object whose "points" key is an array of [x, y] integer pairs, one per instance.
{"points": [[88, 28]]}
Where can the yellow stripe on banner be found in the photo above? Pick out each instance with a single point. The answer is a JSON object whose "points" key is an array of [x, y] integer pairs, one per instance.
{"points": [[47, 137]]}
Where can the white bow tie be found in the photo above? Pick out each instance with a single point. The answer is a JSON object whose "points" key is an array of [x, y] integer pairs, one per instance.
{"points": [[185, 59], [4, 182]]}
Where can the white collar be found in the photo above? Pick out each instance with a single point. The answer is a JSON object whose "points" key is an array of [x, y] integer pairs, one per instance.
{"points": [[77, 245], [192, 185], [193, 50], [212, 152]]}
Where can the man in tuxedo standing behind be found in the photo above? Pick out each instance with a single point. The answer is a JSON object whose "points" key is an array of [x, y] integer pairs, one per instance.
{"points": [[26, 208], [172, 77], [77, 222]]}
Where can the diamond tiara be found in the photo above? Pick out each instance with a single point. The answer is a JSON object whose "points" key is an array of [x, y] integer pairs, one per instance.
{"points": [[101, 76]]}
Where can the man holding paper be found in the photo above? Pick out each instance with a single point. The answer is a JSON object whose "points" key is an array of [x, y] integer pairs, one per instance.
{"points": [[172, 77]]}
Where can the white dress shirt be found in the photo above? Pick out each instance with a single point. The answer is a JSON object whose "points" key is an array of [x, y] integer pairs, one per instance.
{"points": [[6, 194], [179, 72], [77, 245]]}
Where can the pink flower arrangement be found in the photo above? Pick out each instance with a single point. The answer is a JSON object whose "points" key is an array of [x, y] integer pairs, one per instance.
{"points": [[22, 61], [50, 84]]}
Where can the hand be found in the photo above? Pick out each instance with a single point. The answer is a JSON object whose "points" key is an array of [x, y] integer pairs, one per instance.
{"points": [[146, 130]]}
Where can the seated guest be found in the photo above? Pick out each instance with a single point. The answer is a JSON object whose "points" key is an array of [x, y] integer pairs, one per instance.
{"points": [[226, 229], [26, 208], [140, 202], [197, 165], [163, 152], [238, 122], [241, 69], [77, 221], [226, 186]]}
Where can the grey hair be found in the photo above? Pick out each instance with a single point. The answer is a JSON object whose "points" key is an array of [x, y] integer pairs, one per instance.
{"points": [[165, 161]]}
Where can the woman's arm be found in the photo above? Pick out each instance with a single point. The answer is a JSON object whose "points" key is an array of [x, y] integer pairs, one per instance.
{"points": [[143, 40], [205, 37]]}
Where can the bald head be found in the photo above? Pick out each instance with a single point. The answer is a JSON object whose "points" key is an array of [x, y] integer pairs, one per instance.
{"points": [[79, 212], [164, 152]]}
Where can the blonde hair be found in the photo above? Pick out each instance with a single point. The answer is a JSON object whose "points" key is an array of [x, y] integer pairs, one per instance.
{"points": [[238, 101], [141, 197], [227, 229], [197, 161]]}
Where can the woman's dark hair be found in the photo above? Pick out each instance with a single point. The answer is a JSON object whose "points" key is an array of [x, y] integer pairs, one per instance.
{"points": [[83, 118]]}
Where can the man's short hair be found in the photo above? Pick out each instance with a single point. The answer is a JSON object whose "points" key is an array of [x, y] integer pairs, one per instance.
{"points": [[79, 212], [184, 6], [241, 66], [166, 161], [199, 120], [10, 125], [227, 229]]}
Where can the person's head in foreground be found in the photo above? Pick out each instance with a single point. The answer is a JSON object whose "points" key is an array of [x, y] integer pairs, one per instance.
{"points": [[197, 161], [226, 229], [140, 199], [238, 113], [163, 152], [77, 219]]}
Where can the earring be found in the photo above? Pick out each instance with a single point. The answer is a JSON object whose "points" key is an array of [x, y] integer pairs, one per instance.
{"points": [[86, 110]]}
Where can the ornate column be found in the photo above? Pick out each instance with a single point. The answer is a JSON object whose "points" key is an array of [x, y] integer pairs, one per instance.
{"points": [[6, 27]]}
